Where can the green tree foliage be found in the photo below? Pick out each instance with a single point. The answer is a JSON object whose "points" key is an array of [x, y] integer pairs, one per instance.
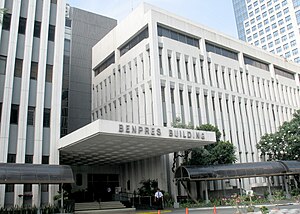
{"points": [[283, 144], [221, 152], [148, 187]]}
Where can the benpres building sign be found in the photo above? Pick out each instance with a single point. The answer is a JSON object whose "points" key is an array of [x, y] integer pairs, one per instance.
{"points": [[165, 132]]}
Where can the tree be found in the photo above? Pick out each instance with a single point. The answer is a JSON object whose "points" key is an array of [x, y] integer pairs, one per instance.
{"points": [[283, 144], [221, 152]]}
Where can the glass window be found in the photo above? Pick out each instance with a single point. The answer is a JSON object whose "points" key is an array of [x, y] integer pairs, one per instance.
{"points": [[291, 34], [255, 36], [246, 24], [283, 38], [249, 6], [31, 115], [279, 14], [263, 7], [284, 3], [277, 7], [51, 33], [18, 68], [297, 60], [47, 113], [263, 40], [277, 41], [37, 29], [270, 44], [264, 47], [14, 117], [271, 10], [6, 21], [255, 3], [259, 25], [264, 14], [268, 29], [282, 30], [269, 36], [258, 17], [275, 33], [251, 14], [22, 25], [254, 28], [293, 43], [274, 25], [295, 51], [68, 22], [269, 3], [272, 18], [286, 46], [256, 10], [49, 72], [256, 43], [289, 26], [278, 50], [286, 10], [11, 158], [280, 22], [34, 70], [248, 31], [252, 21], [2, 64], [287, 55], [266, 21], [261, 32], [288, 18]]}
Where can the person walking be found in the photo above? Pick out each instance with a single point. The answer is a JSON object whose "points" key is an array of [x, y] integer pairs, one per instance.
{"points": [[158, 198]]}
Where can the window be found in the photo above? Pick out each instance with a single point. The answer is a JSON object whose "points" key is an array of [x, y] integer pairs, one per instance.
{"points": [[297, 60], [282, 30], [284, 38], [221, 51], [275, 33], [47, 113], [11, 158], [31, 114], [277, 41], [264, 47], [68, 22], [279, 50], [284, 3], [9, 188], [280, 22], [269, 3], [255, 3], [284, 73], [255, 36], [261, 32], [291, 34], [268, 29], [37, 29], [269, 36], [270, 44], [288, 18], [105, 63], [14, 114], [0, 111], [286, 10], [251, 14], [259, 25], [248, 31], [289, 26], [293, 43], [249, 38], [34, 70], [249, 6], [254, 28], [18, 68], [272, 18], [6, 21], [27, 188], [271, 10], [45, 159], [256, 63], [178, 36], [274, 25], [246, 24], [256, 43], [287, 55], [49, 72], [263, 40], [51, 33], [279, 14], [295, 51], [266, 21], [252, 21], [54, 1], [264, 14], [2, 64], [286, 46], [22, 25], [134, 41], [277, 7], [256, 10], [78, 179], [28, 159], [258, 18]]}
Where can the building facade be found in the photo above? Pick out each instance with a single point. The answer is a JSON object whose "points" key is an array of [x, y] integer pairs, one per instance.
{"points": [[83, 30], [45, 47], [155, 67], [270, 24], [31, 49]]}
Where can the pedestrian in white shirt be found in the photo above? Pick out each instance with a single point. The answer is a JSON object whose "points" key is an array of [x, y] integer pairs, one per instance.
{"points": [[158, 198]]}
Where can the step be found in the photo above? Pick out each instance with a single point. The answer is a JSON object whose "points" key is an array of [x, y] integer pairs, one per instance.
{"points": [[112, 211]]}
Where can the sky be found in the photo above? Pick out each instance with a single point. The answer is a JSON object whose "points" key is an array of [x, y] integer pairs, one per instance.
{"points": [[215, 14]]}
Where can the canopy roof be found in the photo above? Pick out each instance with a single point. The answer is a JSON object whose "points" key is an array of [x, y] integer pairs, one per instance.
{"points": [[12, 173], [240, 170]]}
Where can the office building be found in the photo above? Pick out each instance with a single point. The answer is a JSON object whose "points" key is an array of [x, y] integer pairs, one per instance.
{"points": [[154, 67], [45, 84], [270, 24]]}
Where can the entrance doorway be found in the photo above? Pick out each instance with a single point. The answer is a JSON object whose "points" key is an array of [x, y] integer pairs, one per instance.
{"points": [[101, 187]]}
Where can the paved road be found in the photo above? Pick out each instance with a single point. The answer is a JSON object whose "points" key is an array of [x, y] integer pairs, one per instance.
{"points": [[289, 209]]}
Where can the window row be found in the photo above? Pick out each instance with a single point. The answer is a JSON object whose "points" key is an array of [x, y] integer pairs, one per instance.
{"points": [[22, 27], [14, 117]]}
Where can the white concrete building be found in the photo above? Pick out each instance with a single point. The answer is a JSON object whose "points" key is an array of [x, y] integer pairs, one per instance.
{"points": [[270, 24], [31, 49], [155, 66]]}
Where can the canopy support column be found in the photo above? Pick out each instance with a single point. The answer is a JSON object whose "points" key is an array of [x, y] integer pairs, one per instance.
{"points": [[287, 194], [39, 198], [241, 189], [62, 199], [206, 192], [269, 188]]}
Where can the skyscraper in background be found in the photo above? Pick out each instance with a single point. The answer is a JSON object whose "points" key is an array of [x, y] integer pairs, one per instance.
{"points": [[270, 24]]}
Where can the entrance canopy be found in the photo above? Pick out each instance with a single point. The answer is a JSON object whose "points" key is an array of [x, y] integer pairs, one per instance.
{"points": [[240, 170], [111, 142], [12, 173]]}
